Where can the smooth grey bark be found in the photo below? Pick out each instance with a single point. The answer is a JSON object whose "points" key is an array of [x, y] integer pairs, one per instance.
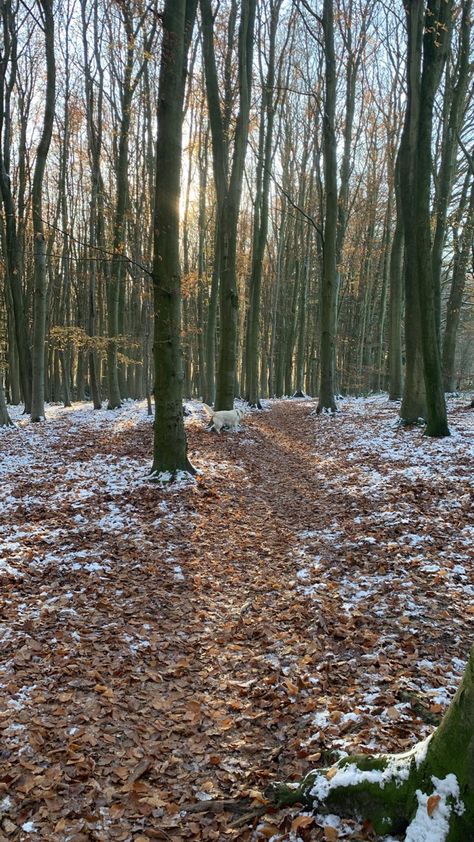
{"points": [[170, 446], [45, 7]]}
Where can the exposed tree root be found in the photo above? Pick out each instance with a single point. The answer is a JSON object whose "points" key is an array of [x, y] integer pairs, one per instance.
{"points": [[430, 787]]}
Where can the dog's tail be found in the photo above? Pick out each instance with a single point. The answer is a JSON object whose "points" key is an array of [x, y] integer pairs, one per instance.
{"points": [[208, 410]]}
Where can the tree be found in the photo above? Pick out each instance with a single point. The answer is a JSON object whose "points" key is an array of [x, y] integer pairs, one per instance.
{"points": [[39, 323], [456, 85], [170, 448], [260, 221], [428, 41], [97, 224], [127, 84], [463, 249], [329, 279], [391, 791], [8, 73], [228, 186]]}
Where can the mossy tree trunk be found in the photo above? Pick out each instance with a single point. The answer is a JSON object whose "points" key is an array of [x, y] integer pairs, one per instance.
{"points": [[391, 790]]}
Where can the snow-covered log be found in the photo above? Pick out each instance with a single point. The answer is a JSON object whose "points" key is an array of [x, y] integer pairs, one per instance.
{"points": [[426, 793]]}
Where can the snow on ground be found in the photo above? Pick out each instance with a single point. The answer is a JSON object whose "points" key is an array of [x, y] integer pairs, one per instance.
{"points": [[388, 568], [403, 562]]}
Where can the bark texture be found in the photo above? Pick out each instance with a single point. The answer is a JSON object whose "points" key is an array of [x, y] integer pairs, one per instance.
{"points": [[329, 280], [40, 288], [170, 449]]}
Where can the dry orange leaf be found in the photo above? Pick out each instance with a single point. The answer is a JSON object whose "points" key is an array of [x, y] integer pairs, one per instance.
{"points": [[331, 834], [331, 772], [268, 830], [302, 821], [432, 803]]}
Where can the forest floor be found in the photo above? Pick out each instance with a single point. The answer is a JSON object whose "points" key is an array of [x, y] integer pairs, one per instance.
{"points": [[163, 649]]}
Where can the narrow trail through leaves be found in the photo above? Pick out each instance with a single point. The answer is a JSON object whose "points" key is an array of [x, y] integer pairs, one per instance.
{"points": [[162, 648]]}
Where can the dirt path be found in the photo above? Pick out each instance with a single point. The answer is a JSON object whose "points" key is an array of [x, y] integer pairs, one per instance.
{"points": [[168, 647]]}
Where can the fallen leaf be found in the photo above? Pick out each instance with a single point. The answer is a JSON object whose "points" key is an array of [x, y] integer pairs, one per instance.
{"points": [[432, 803]]}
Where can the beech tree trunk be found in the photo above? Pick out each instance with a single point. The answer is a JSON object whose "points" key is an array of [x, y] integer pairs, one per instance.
{"points": [[435, 47], [40, 289], [455, 96], [5, 420], [96, 224], [170, 447], [228, 188], [456, 293], [260, 223], [396, 290], [327, 401], [427, 47], [392, 790], [13, 250]]}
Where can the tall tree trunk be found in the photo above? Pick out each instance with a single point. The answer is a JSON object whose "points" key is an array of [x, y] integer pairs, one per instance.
{"points": [[203, 162], [260, 224], [413, 402], [329, 278], [435, 48], [455, 94], [396, 295], [458, 283], [119, 228], [228, 187], [170, 448], [40, 289], [13, 250]]}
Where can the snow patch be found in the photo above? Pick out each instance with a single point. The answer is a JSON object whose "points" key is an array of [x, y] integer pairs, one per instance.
{"points": [[435, 828]]}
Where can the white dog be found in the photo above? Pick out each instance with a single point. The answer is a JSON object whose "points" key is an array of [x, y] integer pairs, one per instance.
{"points": [[224, 417]]}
